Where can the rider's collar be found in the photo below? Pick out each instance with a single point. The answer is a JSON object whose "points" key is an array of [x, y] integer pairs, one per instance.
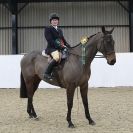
{"points": [[55, 27]]}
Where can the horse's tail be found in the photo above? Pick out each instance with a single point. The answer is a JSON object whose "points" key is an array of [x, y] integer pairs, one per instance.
{"points": [[23, 89]]}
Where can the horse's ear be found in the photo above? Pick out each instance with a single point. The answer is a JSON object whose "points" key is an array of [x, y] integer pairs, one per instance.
{"points": [[111, 30], [103, 29]]}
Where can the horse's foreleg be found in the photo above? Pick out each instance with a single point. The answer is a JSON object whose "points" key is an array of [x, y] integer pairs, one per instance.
{"points": [[84, 91], [70, 94]]}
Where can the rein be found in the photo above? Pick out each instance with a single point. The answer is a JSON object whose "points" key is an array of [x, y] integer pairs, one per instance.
{"points": [[96, 56], [75, 46]]}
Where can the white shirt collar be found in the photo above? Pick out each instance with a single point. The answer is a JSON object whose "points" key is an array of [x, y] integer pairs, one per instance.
{"points": [[55, 27]]}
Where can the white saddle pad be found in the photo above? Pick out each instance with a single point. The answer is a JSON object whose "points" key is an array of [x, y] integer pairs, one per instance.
{"points": [[44, 54]]}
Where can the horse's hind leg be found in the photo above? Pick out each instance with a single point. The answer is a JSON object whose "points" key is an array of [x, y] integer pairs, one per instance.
{"points": [[32, 85], [84, 91]]}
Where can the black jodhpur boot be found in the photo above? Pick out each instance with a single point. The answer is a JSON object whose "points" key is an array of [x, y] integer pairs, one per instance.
{"points": [[47, 74]]}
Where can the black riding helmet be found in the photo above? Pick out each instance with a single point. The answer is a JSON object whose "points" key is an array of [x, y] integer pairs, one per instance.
{"points": [[53, 16]]}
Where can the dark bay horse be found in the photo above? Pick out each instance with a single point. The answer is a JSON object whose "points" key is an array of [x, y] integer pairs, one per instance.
{"points": [[69, 75]]}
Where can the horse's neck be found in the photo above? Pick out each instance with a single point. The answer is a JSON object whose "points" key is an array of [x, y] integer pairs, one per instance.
{"points": [[92, 49]]}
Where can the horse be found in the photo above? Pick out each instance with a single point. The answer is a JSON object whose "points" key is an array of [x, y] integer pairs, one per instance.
{"points": [[70, 74]]}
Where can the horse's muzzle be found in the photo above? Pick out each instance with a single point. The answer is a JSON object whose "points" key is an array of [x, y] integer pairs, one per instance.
{"points": [[111, 58], [112, 62]]}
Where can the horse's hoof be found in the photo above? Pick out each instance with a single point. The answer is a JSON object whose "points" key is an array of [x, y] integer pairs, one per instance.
{"points": [[36, 118], [71, 125], [92, 123], [30, 116]]}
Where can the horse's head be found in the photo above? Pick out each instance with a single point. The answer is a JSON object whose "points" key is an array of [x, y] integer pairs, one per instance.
{"points": [[106, 46]]}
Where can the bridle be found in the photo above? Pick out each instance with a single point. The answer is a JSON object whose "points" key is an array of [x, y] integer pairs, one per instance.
{"points": [[106, 53]]}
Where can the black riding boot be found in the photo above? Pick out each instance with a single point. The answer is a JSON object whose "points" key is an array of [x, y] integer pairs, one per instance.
{"points": [[49, 69]]}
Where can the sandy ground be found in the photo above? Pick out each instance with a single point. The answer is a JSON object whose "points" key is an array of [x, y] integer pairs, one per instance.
{"points": [[112, 110]]}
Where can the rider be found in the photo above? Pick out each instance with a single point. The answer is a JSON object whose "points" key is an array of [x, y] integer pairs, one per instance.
{"points": [[56, 42]]}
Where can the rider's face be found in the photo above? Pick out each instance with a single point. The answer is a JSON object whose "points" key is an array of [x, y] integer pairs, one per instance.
{"points": [[54, 22]]}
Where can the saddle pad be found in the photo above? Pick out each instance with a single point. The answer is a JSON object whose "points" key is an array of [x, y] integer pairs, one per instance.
{"points": [[44, 54]]}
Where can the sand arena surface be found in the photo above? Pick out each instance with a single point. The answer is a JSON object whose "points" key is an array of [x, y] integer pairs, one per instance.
{"points": [[112, 110]]}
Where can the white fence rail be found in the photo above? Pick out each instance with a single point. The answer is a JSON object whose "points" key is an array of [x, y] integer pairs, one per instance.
{"points": [[102, 75]]}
